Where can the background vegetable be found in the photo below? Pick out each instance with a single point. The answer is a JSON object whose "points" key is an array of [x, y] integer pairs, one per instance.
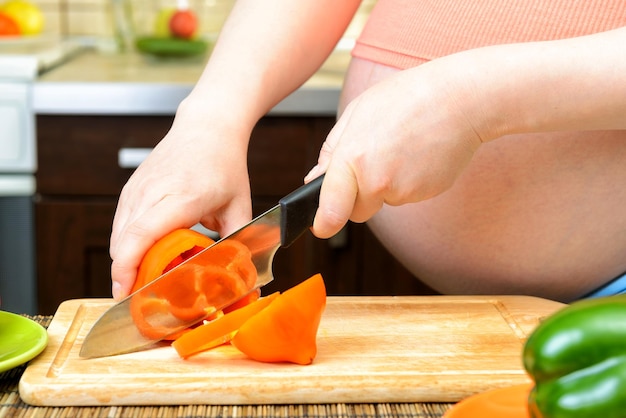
{"points": [[171, 47], [8, 26], [577, 358], [28, 17], [183, 24]]}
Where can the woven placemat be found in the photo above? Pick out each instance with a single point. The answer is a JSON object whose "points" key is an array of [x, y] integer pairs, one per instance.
{"points": [[12, 406]]}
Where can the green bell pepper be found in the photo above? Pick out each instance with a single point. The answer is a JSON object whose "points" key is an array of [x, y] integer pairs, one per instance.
{"points": [[577, 359]]}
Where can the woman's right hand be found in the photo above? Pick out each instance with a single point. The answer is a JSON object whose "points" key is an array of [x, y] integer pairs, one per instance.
{"points": [[197, 173]]}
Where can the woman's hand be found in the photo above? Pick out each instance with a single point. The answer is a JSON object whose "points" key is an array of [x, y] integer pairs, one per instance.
{"points": [[197, 173], [404, 140]]}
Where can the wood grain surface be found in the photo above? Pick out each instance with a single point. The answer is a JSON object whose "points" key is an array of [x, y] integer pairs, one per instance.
{"points": [[370, 349]]}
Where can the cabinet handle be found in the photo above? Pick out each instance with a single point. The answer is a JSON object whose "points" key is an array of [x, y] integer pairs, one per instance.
{"points": [[132, 157]]}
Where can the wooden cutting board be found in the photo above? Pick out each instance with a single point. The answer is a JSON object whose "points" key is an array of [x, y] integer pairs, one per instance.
{"points": [[370, 350]]}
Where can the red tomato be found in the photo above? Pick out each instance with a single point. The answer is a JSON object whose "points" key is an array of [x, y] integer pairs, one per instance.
{"points": [[8, 26], [183, 24]]}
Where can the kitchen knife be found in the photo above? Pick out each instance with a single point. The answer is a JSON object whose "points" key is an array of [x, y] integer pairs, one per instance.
{"points": [[115, 332]]}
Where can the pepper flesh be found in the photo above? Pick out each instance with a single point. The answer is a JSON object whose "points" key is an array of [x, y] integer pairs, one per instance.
{"points": [[220, 330], [276, 328], [168, 252], [577, 359], [226, 273], [286, 330]]}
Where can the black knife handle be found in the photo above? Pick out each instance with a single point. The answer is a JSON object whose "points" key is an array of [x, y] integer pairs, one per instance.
{"points": [[298, 211]]}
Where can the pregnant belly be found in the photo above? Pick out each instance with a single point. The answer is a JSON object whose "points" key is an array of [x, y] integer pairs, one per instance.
{"points": [[361, 75], [535, 213]]}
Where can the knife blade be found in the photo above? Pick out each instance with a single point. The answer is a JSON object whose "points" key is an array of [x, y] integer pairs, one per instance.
{"points": [[116, 331]]}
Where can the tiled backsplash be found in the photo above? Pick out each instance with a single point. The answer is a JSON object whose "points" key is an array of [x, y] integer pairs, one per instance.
{"points": [[95, 17]]}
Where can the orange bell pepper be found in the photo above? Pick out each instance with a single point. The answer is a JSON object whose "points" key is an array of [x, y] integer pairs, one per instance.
{"points": [[168, 252], [226, 273], [203, 287], [220, 330], [286, 331], [277, 328]]}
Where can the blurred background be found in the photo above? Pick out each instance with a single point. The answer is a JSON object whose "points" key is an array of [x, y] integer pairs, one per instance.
{"points": [[103, 20]]}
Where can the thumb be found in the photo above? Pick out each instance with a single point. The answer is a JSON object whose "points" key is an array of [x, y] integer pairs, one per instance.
{"points": [[337, 199]]}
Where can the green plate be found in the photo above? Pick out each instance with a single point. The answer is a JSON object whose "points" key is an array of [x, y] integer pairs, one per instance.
{"points": [[171, 47], [21, 340]]}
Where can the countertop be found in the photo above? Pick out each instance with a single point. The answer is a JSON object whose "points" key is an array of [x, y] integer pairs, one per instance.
{"points": [[107, 83]]}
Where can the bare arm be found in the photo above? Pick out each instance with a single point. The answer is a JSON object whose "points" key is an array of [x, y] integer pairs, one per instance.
{"points": [[571, 84], [198, 172], [268, 49], [409, 137]]}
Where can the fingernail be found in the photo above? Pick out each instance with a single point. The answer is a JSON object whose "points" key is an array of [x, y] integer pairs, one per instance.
{"points": [[312, 175], [116, 290]]}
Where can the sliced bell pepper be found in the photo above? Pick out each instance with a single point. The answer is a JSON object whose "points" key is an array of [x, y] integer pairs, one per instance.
{"points": [[148, 308], [577, 359], [220, 330], [249, 298], [168, 252], [225, 273], [203, 290], [276, 328], [234, 257], [286, 331]]}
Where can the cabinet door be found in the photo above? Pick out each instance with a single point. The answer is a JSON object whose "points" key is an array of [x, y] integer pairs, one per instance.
{"points": [[72, 250]]}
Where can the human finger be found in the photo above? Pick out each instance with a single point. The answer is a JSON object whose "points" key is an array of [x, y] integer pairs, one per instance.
{"points": [[139, 235], [337, 196]]}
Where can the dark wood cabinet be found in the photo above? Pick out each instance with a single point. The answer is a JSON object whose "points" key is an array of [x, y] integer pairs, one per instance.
{"points": [[79, 180]]}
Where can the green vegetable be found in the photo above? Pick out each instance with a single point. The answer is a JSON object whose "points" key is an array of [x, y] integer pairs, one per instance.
{"points": [[171, 47], [577, 358]]}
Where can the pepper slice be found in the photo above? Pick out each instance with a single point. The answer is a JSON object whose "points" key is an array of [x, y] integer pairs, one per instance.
{"points": [[276, 328], [226, 273], [168, 252], [220, 330], [577, 359], [286, 331], [203, 286]]}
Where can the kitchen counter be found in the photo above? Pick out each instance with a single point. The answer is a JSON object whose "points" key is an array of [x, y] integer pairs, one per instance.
{"points": [[12, 405], [98, 83]]}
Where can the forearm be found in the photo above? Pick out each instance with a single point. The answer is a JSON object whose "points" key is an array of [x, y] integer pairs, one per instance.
{"points": [[265, 51], [573, 84]]}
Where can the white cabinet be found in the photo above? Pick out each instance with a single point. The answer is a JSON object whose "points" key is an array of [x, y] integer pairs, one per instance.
{"points": [[17, 125]]}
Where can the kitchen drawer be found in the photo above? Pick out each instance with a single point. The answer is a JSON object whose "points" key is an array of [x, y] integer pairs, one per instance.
{"points": [[78, 155]]}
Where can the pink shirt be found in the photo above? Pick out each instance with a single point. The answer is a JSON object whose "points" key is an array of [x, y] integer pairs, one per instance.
{"points": [[406, 33]]}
